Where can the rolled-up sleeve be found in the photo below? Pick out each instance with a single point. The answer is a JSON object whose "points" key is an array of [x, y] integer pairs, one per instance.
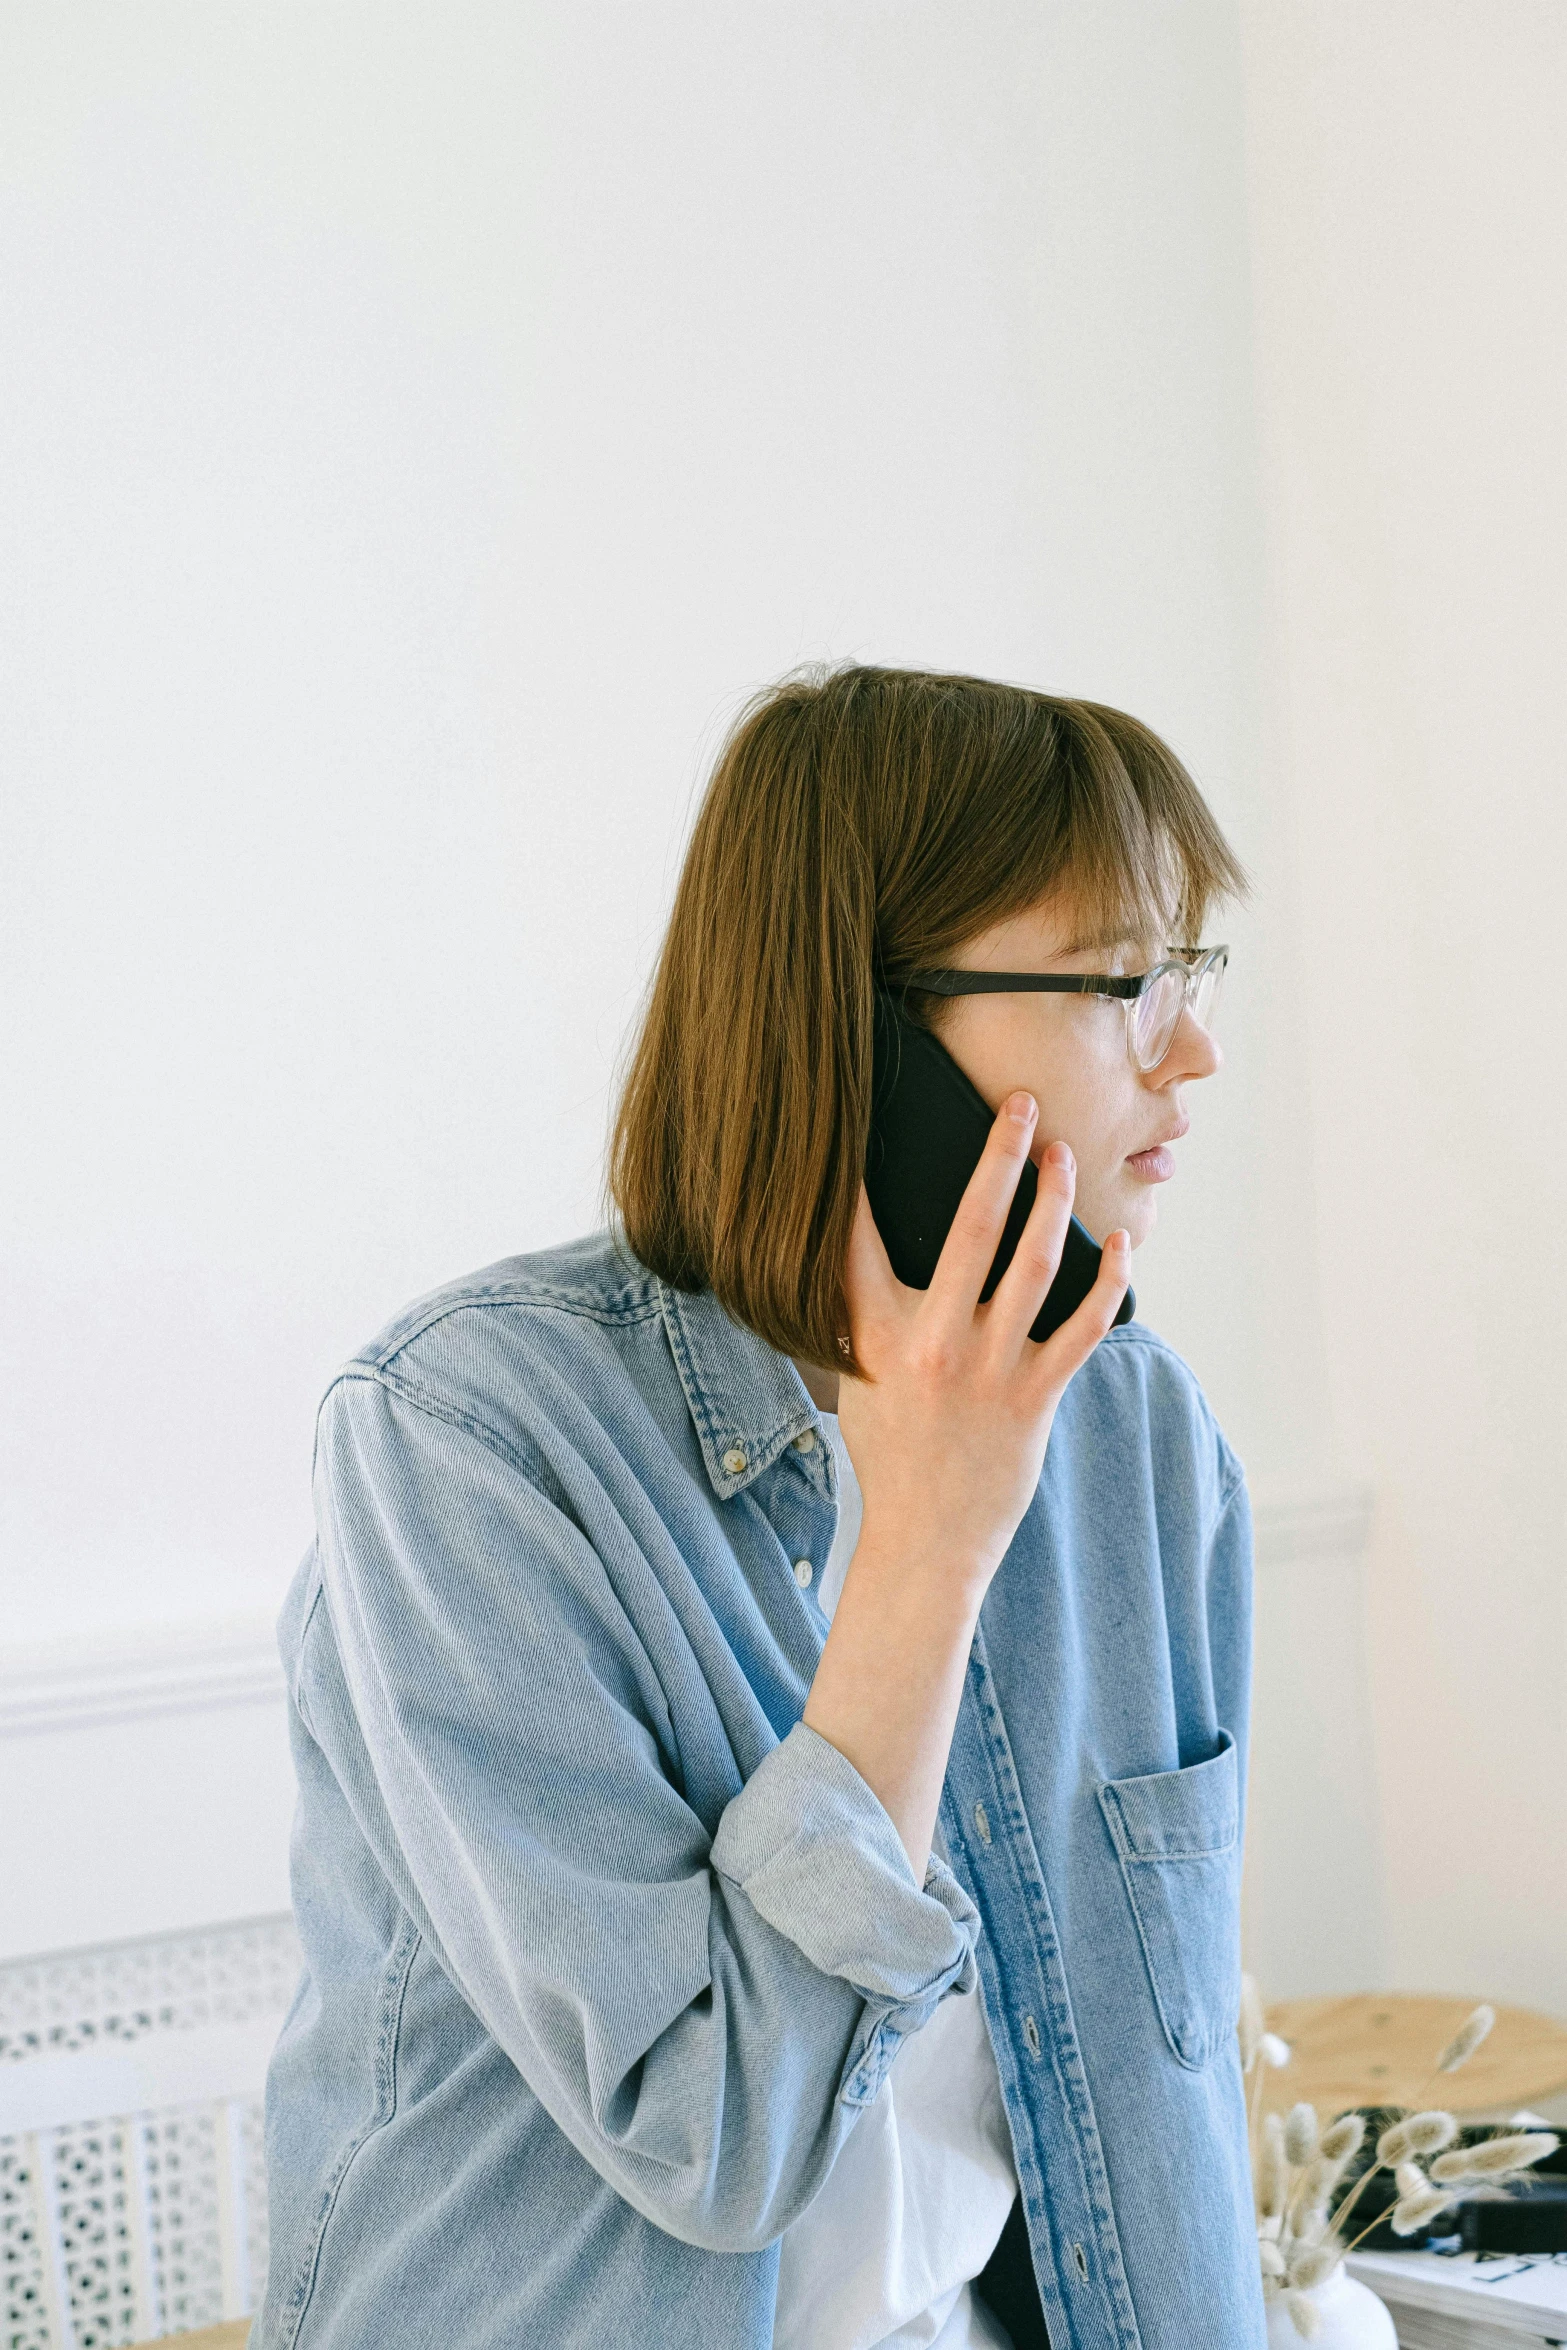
{"points": [[816, 1855], [702, 2014]]}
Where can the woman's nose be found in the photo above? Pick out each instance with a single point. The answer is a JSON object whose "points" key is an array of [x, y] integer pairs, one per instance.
{"points": [[1194, 1052]]}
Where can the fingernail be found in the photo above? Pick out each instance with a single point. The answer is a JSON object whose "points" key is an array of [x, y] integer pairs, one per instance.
{"points": [[1022, 1107], [1059, 1155]]}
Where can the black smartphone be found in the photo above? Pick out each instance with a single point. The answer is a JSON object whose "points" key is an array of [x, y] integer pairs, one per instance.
{"points": [[929, 1124]]}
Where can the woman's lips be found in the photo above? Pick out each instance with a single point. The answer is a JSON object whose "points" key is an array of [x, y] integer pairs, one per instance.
{"points": [[1154, 1166]]}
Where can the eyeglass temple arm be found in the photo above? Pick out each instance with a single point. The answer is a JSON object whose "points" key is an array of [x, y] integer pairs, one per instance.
{"points": [[1019, 983], [1039, 982]]}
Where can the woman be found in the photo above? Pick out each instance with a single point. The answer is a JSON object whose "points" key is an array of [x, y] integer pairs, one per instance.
{"points": [[771, 1741]]}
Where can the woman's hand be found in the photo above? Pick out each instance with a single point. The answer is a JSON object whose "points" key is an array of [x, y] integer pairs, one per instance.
{"points": [[948, 1431], [947, 1434]]}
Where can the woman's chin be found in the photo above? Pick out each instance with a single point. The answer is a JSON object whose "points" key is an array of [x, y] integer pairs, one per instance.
{"points": [[1130, 1208], [1139, 1215]]}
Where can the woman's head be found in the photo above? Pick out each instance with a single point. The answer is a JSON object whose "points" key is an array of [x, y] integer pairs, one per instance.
{"points": [[863, 823]]}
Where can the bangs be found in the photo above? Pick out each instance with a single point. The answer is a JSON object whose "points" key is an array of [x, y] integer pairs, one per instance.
{"points": [[1156, 863], [1086, 808]]}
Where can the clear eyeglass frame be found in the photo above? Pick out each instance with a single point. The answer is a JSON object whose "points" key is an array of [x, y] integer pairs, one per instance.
{"points": [[1190, 979]]}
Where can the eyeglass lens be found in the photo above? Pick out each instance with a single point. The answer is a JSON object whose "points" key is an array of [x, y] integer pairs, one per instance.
{"points": [[1156, 1012]]}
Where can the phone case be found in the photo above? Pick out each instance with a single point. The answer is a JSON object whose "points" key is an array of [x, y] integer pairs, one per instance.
{"points": [[929, 1124]]}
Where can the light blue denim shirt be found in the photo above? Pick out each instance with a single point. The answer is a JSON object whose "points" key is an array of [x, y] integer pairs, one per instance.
{"points": [[606, 1952]]}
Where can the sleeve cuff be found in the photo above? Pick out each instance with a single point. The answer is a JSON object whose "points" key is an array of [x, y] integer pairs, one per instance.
{"points": [[817, 1856]]}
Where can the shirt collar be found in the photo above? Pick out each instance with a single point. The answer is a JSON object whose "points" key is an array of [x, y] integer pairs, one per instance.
{"points": [[747, 1401]]}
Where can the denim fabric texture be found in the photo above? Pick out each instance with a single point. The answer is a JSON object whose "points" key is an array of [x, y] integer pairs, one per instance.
{"points": [[605, 1951]]}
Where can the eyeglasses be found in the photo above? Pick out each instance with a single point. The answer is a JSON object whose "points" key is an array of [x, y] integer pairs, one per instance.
{"points": [[1154, 999]]}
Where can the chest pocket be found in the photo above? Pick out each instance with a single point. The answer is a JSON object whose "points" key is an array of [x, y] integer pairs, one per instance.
{"points": [[1176, 1837]]}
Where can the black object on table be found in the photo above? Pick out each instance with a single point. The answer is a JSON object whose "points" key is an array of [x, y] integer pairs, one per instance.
{"points": [[1532, 2217]]}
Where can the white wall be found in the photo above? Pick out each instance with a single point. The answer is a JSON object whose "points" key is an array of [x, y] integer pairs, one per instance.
{"points": [[423, 432], [1405, 182], [423, 427]]}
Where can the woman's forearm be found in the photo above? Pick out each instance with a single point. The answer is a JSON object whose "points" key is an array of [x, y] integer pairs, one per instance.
{"points": [[887, 1689]]}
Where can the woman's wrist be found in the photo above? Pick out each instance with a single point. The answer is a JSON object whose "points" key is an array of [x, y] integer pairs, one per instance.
{"points": [[911, 1565]]}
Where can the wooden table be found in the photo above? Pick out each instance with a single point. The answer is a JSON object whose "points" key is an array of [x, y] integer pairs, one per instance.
{"points": [[232, 2337], [1380, 2048]]}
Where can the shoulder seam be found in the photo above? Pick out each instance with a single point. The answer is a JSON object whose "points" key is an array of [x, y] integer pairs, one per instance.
{"points": [[580, 1309], [436, 1407]]}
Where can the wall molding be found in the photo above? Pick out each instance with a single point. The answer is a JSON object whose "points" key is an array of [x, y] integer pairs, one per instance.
{"points": [[138, 1675], [190, 1668]]}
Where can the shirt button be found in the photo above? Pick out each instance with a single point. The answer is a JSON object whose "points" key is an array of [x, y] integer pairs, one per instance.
{"points": [[734, 1462], [806, 1440], [803, 1572], [982, 1822]]}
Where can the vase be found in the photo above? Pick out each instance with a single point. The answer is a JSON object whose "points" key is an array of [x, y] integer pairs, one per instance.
{"points": [[1349, 2317]]}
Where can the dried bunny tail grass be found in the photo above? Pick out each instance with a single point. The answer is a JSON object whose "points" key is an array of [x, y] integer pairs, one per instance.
{"points": [[1410, 2179], [1271, 2260], [1300, 2134], [1393, 2144], [1321, 2177], [1428, 2133], [1272, 2169], [1466, 2039], [1492, 2156], [1314, 2265], [1310, 2199], [1304, 2314], [1251, 2023], [1414, 2210], [1275, 2052], [1344, 2140]]}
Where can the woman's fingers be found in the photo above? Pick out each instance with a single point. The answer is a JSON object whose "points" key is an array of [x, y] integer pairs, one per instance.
{"points": [[969, 1249], [1068, 1348], [1022, 1289]]}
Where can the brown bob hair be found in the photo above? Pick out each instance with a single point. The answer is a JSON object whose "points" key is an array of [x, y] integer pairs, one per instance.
{"points": [[861, 822]]}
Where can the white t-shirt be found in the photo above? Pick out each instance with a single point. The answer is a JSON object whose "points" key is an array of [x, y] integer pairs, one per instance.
{"points": [[915, 2203]]}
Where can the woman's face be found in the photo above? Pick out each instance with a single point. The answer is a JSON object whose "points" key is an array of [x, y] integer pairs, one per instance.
{"points": [[1069, 1051]]}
